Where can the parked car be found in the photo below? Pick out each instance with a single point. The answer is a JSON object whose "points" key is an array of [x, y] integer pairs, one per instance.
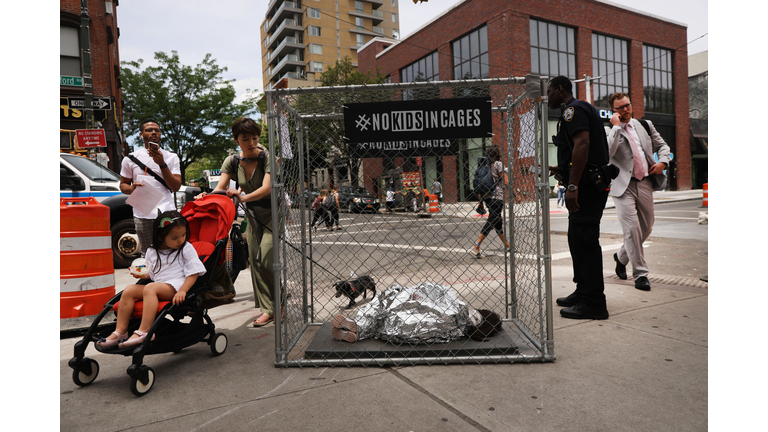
{"points": [[358, 199]]}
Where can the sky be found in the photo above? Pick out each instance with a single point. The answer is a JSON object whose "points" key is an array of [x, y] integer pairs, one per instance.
{"points": [[230, 32]]}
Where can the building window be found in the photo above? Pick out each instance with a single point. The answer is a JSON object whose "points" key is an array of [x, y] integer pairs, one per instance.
{"points": [[425, 69], [553, 49], [394, 17], [315, 49], [313, 13], [359, 6], [657, 80], [610, 61], [360, 23], [470, 55], [394, 2], [70, 52], [316, 66], [360, 40], [313, 30]]}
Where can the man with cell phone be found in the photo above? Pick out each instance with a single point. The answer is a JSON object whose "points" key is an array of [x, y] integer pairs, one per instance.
{"points": [[161, 165]]}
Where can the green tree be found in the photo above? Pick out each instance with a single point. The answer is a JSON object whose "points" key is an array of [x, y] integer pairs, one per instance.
{"points": [[194, 106], [344, 74]]}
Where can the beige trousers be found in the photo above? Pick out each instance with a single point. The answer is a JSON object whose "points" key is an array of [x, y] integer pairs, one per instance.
{"points": [[635, 211]]}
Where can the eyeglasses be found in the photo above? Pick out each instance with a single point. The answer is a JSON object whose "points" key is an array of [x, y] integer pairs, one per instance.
{"points": [[152, 130], [623, 107]]}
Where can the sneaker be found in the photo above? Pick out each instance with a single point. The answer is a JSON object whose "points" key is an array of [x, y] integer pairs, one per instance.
{"points": [[343, 335], [475, 250], [342, 322]]}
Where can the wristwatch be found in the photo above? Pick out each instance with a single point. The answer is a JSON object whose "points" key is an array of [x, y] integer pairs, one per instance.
{"points": [[164, 165], [573, 187]]}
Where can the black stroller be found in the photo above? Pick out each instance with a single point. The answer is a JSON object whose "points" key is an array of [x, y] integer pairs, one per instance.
{"points": [[210, 219]]}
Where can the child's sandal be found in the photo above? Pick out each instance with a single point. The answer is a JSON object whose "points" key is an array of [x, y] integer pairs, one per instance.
{"points": [[106, 343]]}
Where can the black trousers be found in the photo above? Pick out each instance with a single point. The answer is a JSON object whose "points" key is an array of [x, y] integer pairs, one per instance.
{"points": [[584, 244], [494, 222], [321, 213]]}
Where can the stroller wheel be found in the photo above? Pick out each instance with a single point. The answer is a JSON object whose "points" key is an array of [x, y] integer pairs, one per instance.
{"points": [[139, 388], [83, 378], [218, 344]]}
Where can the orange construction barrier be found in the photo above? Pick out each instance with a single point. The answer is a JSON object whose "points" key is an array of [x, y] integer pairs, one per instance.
{"points": [[434, 205], [706, 194], [87, 271]]}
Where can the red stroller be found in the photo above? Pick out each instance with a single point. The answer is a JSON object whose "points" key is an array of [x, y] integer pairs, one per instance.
{"points": [[210, 219]]}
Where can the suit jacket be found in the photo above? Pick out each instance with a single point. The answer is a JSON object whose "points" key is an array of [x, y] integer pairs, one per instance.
{"points": [[621, 154]]}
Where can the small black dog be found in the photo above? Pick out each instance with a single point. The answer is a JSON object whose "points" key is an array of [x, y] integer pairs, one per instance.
{"points": [[353, 288]]}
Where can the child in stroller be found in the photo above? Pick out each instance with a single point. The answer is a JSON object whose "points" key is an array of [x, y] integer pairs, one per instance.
{"points": [[180, 319], [173, 268]]}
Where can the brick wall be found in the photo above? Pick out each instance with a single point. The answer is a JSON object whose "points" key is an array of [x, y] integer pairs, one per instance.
{"points": [[509, 48], [104, 58]]}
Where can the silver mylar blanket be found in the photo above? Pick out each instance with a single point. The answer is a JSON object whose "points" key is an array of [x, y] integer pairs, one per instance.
{"points": [[425, 313]]}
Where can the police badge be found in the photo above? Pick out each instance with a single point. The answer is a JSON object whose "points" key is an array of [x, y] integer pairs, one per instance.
{"points": [[568, 114]]}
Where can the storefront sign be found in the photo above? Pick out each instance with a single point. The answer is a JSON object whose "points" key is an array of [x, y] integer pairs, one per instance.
{"points": [[404, 121], [605, 114]]}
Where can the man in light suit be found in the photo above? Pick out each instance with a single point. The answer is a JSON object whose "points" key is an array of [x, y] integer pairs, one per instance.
{"points": [[631, 148]]}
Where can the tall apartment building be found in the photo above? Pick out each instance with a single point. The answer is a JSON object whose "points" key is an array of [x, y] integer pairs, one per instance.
{"points": [[301, 38]]}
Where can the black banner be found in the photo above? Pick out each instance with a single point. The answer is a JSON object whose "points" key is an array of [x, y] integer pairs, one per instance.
{"points": [[417, 120], [425, 148]]}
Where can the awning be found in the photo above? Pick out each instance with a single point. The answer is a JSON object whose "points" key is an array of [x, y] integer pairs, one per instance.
{"points": [[699, 136]]}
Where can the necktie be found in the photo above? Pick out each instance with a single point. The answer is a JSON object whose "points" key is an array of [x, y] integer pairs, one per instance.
{"points": [[637, 169]]}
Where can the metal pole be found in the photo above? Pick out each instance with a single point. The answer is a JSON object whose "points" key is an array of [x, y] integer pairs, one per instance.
{"points": [[85, 54], [274, 190], [588, 80], [549, 347]]}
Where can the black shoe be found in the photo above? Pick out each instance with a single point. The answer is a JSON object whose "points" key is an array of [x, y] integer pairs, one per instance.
{"points": [[582, 311], [569, 301], [621, 269], [642, 284]]}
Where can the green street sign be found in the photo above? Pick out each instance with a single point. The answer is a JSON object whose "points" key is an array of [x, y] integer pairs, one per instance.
{"points": [[71, 81]]}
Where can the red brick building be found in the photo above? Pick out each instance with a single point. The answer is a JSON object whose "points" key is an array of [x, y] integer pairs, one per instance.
{"points": [[105, 72], [635, 52]]}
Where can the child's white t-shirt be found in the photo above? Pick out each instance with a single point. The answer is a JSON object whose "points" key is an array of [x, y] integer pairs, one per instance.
{"points": [[174, 267]]}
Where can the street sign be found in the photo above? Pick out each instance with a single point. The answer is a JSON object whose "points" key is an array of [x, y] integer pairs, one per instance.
{"points": [[89, 138], [70, 81], [98, 103]]}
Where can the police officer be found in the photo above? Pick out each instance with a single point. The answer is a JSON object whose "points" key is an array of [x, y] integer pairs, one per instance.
{"points": [[580, 140]]}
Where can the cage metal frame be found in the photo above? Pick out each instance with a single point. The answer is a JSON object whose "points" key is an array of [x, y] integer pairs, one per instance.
{"points": [[542, 339]]}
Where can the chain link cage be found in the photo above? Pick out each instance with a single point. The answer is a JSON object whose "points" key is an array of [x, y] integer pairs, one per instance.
{"points": [[417, 249]]}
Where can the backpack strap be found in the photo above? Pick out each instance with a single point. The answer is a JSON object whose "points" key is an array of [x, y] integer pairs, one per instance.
{"points": [[647, 127], [157, 177]]}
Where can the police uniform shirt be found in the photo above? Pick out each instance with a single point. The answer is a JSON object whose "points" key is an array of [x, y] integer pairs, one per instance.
{"points": [[580, 115]]}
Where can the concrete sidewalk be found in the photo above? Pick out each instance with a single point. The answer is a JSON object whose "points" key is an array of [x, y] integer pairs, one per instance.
{"points": [[643, 369], [463, 209]]}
